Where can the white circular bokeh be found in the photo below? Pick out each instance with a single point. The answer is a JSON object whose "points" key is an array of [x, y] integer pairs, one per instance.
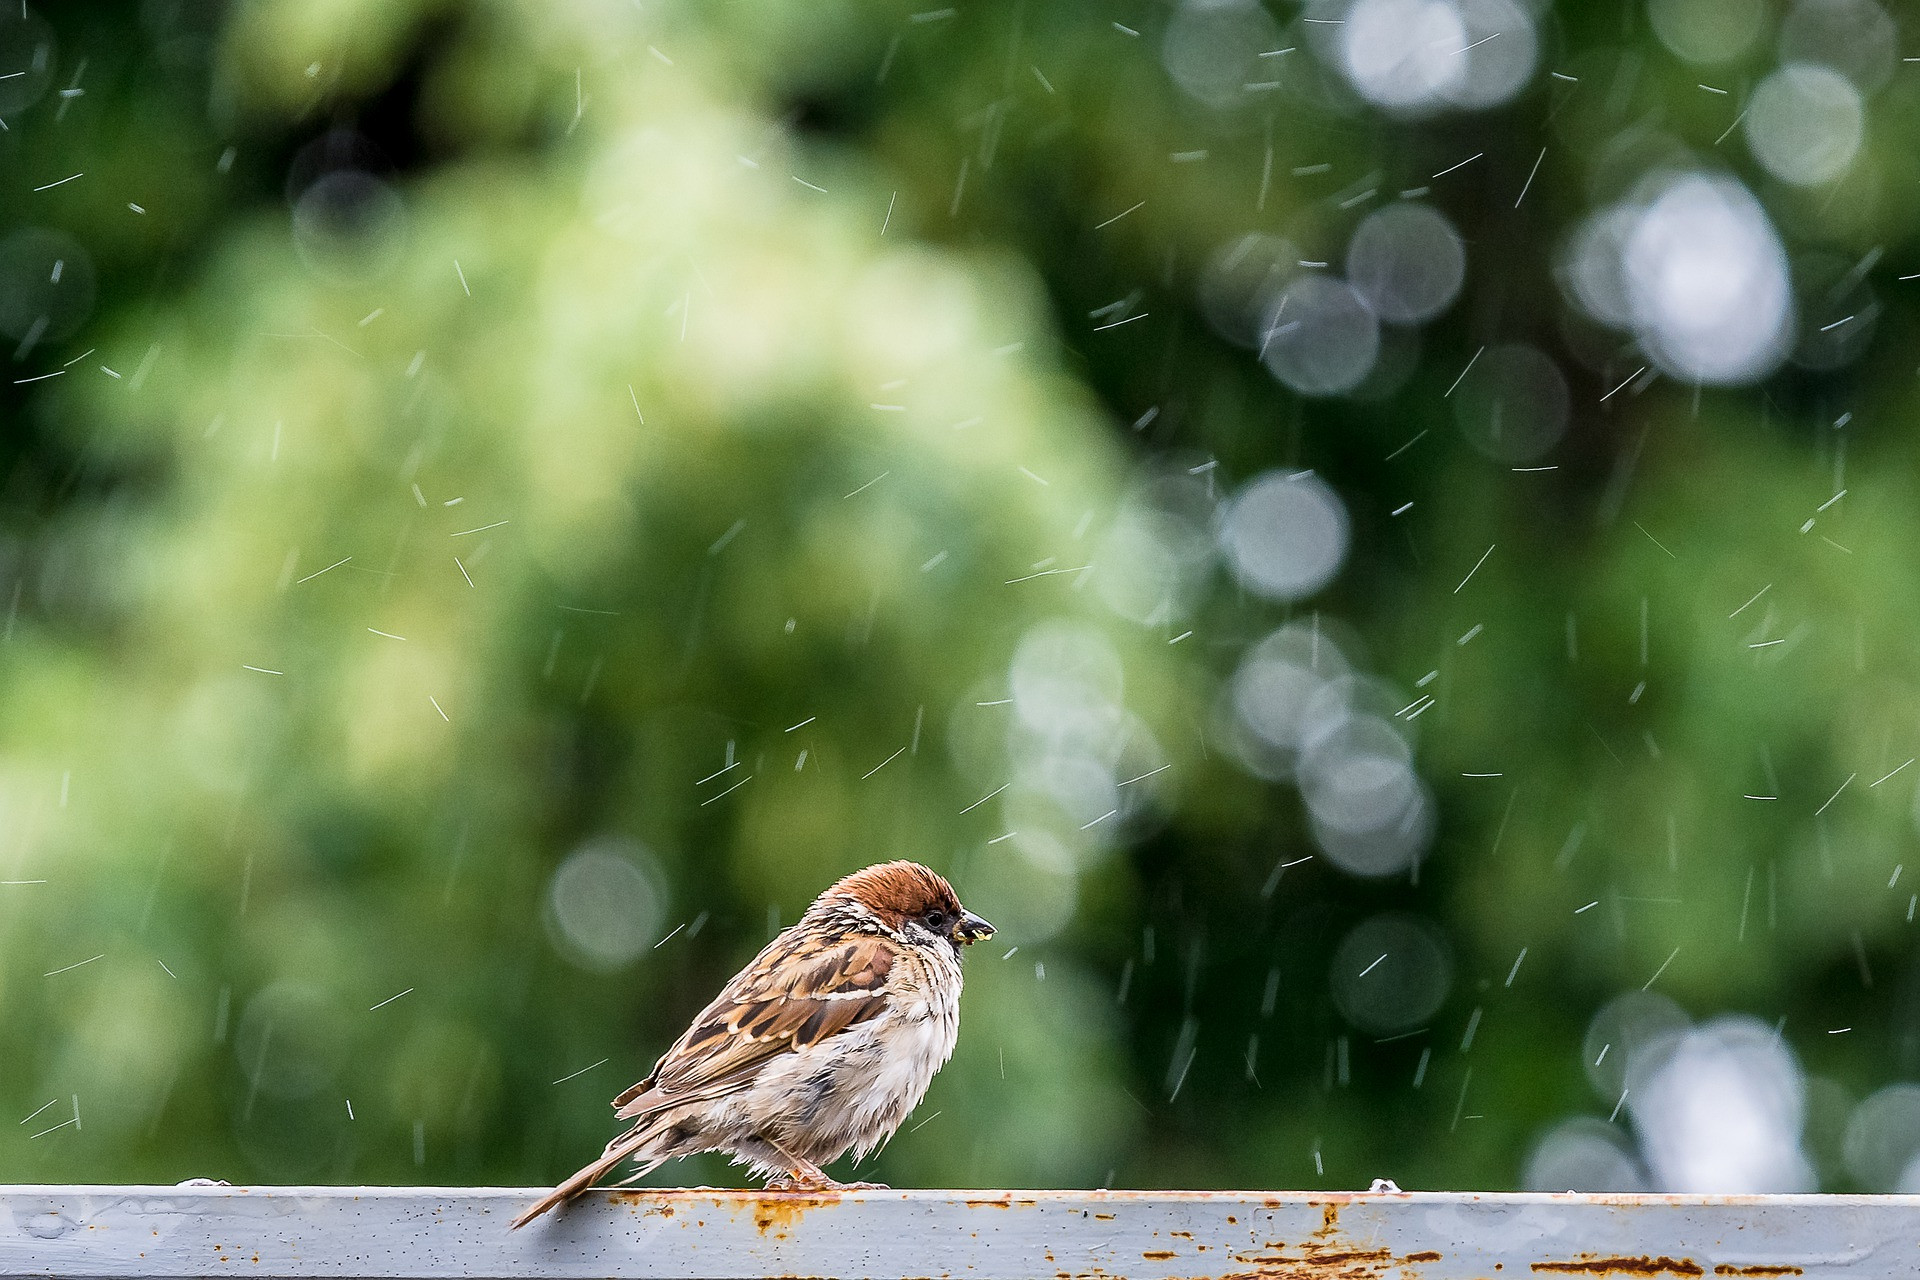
{"points": [[1370, 813], [1274, 694], [1625, 1027], [1584, 1154], [1719, 1110], [1284, 535], [1358, 775], [1706, 281], [1407, 261], [1028, 886], [1066, 681], [1151, 564], [1857, 38], [1319, 336], [1882, 1143], [1404, 54], [1502, 51], [1707, 31], [1805, 123], [1212, 49], [1414, 57], [1591, 269], [604, 904]]}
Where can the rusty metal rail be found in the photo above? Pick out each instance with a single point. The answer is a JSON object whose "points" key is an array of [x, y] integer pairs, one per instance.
{"points": [[984, 1235]]}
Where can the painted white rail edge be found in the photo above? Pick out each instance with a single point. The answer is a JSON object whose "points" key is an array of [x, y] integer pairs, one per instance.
{"points": [[430, 1232]]}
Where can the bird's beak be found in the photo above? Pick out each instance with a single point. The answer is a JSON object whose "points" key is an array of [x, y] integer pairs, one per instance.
{"points": [[971, 928]]}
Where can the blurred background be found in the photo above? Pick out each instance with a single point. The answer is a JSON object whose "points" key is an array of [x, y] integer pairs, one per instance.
{"points": [[1376, 540]]}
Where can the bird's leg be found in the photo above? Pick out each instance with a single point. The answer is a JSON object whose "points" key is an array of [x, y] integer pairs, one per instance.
{"points": [[805, 1175], [810, 1177], [802, 1174]]}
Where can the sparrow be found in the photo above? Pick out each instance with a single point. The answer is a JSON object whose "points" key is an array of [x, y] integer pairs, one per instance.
{"points": [[822, 1044]]}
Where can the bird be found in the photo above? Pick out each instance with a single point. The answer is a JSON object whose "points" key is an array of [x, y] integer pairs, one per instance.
{"points": [[823, 1044]]}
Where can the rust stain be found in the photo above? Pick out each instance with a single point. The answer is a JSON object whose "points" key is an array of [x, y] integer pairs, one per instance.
{"points": [[1754, 1269], [1330, 1260], [1643, 1265], [776, 1214], [649, 1203], [1158, 1255]]}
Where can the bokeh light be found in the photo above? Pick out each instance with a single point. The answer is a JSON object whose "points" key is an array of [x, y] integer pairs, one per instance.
{"points": [[1272, 694], [1708, 31], [1407, 262], [605, 904], [1805, 124], [1882, 1140], [1707, 282], [1319, 336], [1404, 54], [1284, 535], [1213, 49], [1719, 1108], [1857, 38], [1391, 973], [1584, 1154]]}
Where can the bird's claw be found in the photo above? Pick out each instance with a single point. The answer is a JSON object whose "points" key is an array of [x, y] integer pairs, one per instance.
{"points": [[800, 1186]]}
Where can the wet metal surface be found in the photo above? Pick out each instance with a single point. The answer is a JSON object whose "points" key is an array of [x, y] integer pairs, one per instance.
{"points": [[983, 1235]]}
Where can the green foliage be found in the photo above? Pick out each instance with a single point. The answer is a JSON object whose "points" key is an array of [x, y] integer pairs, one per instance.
{"points": [[720, 389]]}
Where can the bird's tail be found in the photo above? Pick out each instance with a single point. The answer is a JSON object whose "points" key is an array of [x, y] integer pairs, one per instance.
{"points": [[627, 1144]]}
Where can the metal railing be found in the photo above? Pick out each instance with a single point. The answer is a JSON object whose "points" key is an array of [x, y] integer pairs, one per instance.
{"points": [[983, 1235]]}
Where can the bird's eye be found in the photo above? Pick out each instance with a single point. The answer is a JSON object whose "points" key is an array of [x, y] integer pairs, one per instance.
{"points": [[936, 919]]}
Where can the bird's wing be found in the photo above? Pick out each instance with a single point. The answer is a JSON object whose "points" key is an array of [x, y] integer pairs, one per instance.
{"points": [[797, 992]]}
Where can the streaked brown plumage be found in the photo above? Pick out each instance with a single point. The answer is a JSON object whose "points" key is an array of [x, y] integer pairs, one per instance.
{"points": [[823, 1044]]}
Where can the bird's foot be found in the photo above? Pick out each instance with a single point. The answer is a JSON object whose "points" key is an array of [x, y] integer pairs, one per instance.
{"points": [[1384, 1186], [793, 1186], [799, 1186]]}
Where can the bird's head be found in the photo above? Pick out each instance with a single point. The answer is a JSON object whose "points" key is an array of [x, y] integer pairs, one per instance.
{"points": [[913, 901]]}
